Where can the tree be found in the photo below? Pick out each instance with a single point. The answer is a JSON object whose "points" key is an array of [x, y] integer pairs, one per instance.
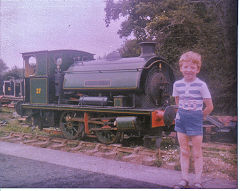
{"points": [[130, 48], [3, 66], [207, 27], [15, 72]]}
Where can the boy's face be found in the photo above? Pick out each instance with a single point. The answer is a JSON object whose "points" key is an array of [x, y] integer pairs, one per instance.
{"points": [[189, 71]]}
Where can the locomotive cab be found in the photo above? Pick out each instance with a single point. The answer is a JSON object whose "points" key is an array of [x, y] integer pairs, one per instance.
{"points": [[41, 67]]}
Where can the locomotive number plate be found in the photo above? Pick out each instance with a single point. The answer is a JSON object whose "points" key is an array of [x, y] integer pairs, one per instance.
{"points": [[97, 83]]}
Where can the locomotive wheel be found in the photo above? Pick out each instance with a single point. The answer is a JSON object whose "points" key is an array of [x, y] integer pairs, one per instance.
{"points": [[71, 129], [18, 108], [108, 137]]}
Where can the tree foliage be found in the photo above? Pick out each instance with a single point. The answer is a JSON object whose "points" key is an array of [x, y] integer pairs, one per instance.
{"points": [[131, 48], [3, 68], [205, 26], [15, 73]]}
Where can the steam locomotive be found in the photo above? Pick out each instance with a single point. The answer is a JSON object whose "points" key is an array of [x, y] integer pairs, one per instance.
{"points": [[11, 91], [107, 98]]}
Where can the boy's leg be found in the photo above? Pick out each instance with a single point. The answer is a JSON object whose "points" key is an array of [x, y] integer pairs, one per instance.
{"points": [[183, 140], [197, 155]]}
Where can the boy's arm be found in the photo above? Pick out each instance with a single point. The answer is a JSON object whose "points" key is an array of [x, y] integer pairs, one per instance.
{"points": [[209, 107]]}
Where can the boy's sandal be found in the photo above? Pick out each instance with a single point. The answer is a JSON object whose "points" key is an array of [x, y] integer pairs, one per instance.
{"points": [[197, 186], [182, 184]]}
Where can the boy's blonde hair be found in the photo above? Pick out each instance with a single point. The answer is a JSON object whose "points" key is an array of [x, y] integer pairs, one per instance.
{"points": [[191, 56]]}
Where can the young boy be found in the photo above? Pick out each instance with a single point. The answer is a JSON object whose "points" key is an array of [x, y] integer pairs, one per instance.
{"points": [[190, 93]]}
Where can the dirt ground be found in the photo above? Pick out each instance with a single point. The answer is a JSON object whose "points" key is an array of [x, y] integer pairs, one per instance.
{"points": [[220, 158]]}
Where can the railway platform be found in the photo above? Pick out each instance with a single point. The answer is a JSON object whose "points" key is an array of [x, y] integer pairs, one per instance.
{"points": [[160, 176]]}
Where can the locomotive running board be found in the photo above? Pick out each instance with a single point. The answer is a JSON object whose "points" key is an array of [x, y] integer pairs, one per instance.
{"points": [[64, 107]]}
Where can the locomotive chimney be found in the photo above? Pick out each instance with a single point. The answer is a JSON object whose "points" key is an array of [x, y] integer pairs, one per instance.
{"points": [[147, 49]]}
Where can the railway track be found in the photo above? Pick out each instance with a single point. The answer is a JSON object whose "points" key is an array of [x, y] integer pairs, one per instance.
{"points": [[139, 154], [218, 155]]}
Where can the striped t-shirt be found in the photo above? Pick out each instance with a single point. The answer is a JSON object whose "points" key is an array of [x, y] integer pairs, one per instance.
{"points": [[191, 94]]}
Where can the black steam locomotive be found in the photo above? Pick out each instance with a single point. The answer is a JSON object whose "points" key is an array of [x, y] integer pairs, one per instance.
{"points": [[107, 98]]}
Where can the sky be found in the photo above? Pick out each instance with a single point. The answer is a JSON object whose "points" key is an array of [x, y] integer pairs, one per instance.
{"points": [[34, 25]]}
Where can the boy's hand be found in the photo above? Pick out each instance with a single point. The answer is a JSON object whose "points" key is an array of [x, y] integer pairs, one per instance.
{"points": [[209, 107], [204, 117]]}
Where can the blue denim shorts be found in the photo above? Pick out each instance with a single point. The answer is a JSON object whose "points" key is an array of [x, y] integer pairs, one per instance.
{"points": [[189, 122]]}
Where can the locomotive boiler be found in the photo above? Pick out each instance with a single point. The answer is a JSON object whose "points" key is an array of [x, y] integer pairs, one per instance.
{"points": [[107, 98]]}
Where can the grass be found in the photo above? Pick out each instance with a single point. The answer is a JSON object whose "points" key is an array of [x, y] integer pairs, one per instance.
{"points": [[211, 154], [15, 126], [172, 158], [6, 110], [215, 149], [233, 151], [3, 133], [72, 144], [158, 162], [228, 173], [231, 174], [232, 161], [177, 166], [167, 143], [120, 155], [87, 147]]}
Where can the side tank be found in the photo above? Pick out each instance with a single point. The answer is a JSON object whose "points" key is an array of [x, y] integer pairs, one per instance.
{"points": [[117, 74]]}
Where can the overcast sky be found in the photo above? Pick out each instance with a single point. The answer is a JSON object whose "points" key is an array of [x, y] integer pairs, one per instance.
{"points": [[33, 25]]}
